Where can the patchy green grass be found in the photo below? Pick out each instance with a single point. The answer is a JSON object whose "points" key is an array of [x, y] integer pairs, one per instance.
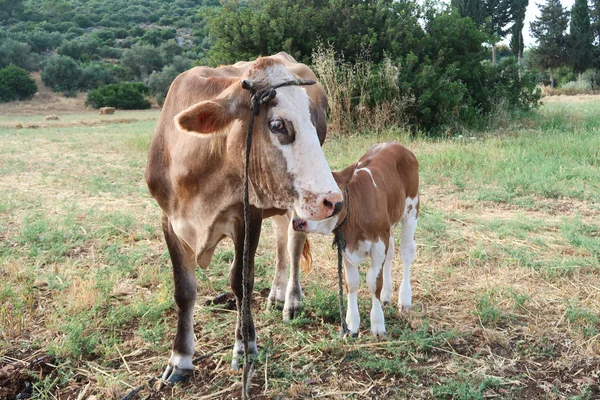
{"points": [[506, 298]]}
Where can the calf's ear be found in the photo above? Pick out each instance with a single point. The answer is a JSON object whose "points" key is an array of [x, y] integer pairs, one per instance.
{"points": [[205, 117], [344, 176]]}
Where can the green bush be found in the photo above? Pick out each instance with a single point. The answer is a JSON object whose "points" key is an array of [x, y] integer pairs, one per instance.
{"points": [[62, 74], [16, 84], [17, 53], [125, 96]]}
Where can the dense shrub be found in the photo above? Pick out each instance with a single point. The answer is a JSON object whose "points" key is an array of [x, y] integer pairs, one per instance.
{"points": [[159, 82], [142, 60], [17, 53], [62, 74], [83, 49], [97, 74], [16, 84], [125, 95]]}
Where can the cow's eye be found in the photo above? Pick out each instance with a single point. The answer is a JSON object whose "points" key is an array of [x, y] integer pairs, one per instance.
{"points": [[276, 125]]}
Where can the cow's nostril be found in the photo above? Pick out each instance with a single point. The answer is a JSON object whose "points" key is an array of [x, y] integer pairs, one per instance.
{"points": [[327, 203], [337, 208]]}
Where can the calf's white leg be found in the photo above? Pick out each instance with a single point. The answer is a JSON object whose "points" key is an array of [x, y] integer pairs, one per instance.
{"points": [[279, 285], [409, 250], [293, 293], [352, 282], [388, 284], [378, 256]]}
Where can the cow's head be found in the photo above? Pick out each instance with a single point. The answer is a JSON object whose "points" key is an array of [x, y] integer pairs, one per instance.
{"points": [[287, 166]]}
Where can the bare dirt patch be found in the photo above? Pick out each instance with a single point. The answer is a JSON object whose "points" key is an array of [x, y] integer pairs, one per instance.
{"points": [[579, 98]]}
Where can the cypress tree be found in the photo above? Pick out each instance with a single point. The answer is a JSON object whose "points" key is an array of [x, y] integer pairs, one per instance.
{"points": [[549, 29], [473, 9], [518, 10], [582, 37], [498, 17]]}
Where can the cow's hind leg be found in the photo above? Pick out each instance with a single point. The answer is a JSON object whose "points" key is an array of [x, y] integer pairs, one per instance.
{"points": [[352, 283], [378, 256], [388, 284], [235, 278], [409, 250], [279, 285], [180, 364], [293, 295]]}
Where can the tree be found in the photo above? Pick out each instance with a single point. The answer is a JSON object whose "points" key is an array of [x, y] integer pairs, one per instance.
{"points": [[242, 31], [518, 10], [125, 96], [492, 15], [16, 84], [549, 29], [17, 53], [582, 38], [142, 60], [62, 74], [498, 17], [473, 9], [10, 9]]}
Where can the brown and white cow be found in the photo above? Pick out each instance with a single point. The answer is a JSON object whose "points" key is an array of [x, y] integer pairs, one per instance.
{"points": [[382, 189], [195, 173]]}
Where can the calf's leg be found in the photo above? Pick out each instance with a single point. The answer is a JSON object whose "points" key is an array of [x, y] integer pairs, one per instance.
{"points": [[409, 250], [388, 284], [293, 294], [378, 256], [184, 263], [279, 285], [235, 278], [352, 282]]}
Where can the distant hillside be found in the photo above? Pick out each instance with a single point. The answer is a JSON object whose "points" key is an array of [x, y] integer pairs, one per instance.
{"points": [[109, 40]]}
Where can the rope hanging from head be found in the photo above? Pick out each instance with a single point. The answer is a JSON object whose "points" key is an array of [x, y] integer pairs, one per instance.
{"points": [[340, 243], [257, 99]]}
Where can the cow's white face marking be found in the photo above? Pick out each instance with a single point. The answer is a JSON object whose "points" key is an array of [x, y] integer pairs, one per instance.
{"points": [[356, 171], [322, 227], [304, 156]]}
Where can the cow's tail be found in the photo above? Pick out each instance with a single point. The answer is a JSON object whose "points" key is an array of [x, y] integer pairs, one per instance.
{"points": [[306, 258]]}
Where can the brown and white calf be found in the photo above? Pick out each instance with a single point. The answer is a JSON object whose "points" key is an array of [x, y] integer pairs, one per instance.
{"points": [[195, 172], [381, 189]]}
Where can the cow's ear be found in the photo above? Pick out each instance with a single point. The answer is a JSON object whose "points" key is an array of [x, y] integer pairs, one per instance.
{"points": [[205, 117], [319, 120]]}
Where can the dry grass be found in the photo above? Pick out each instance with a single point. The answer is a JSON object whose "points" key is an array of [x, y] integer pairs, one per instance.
{"points": [[506, 290]]}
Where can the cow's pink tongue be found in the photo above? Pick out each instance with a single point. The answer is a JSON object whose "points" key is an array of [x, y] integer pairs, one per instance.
{"points": [[299, 224]]}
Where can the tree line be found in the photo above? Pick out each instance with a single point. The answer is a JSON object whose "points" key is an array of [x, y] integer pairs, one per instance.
{"points": [[440, 65]]}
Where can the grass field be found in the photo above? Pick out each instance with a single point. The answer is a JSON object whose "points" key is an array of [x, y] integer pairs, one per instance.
{"points": [[506, 282]]}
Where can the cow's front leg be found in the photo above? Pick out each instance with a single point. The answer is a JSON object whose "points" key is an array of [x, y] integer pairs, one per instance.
{"points": [[293, 294], [180, 365], [280, 280], [235, 278]]}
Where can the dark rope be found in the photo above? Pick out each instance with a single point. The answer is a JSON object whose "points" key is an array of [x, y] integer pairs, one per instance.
{"points": [[257, 98], [340, 243]]}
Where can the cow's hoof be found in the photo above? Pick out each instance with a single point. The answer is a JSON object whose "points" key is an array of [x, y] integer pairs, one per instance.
{"points": [[405, 308], [176, 375], [347, 334], [276, 297], [291, 313], [236, 363]]}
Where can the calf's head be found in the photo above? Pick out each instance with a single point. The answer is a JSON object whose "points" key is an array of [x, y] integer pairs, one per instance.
{"points": [[287, 165]]}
